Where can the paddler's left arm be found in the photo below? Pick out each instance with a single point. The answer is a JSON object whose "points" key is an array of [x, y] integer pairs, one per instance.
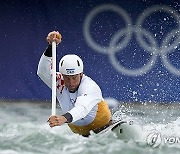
{"points": [[89, 96], [84, 104]]}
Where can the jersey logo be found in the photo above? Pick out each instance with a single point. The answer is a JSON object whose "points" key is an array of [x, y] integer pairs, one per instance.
{"points": [[73, 100]]}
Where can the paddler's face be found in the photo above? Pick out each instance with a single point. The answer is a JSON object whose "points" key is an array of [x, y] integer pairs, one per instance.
{"points": [[72, 81]]}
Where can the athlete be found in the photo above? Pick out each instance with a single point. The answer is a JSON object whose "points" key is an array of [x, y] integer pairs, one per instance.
{"points": [[80, 98]]}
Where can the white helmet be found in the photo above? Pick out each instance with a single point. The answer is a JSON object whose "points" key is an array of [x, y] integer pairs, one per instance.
{"points": [[70, 65]]}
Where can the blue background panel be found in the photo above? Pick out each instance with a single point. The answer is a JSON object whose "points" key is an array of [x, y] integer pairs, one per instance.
{"points": [[129, 47]]}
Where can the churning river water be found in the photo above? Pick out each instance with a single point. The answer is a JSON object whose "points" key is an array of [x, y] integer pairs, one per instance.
{"points": [[24, 130]]}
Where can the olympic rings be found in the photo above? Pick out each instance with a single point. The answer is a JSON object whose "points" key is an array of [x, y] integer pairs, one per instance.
{"points": [[90, 17], [126, 71], [152, 47]]}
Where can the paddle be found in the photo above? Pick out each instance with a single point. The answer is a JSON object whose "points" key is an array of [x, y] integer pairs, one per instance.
{"points": [[54, 78]]}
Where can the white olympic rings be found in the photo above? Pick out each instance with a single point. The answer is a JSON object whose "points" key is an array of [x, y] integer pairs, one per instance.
{"points": [[152, 47]]}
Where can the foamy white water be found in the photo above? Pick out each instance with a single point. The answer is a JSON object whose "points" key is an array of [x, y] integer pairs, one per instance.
{"points": [[24, 130]]}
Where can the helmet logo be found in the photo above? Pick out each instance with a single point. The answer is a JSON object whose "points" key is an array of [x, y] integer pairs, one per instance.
{"points": [[70, 70]]}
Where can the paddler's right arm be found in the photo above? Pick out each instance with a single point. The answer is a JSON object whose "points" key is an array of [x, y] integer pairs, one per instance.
{"points": [[44, 66]]}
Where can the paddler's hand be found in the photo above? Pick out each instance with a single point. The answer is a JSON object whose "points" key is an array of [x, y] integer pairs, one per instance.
{"points": [[54, 36], [56, 120]]}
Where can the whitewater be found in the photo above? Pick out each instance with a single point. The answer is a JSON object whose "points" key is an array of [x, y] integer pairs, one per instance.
{"points": [[24, 130]]}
